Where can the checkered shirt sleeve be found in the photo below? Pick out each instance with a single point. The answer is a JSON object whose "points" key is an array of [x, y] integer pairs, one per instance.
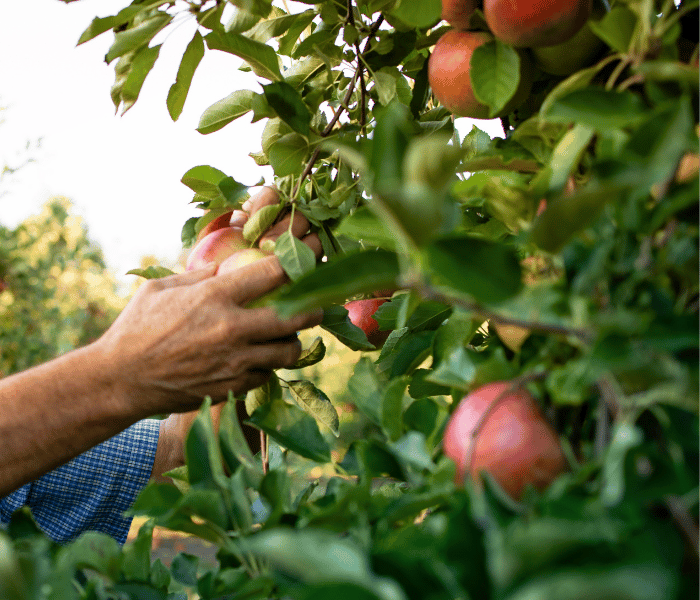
{"points": [[92, 491]]}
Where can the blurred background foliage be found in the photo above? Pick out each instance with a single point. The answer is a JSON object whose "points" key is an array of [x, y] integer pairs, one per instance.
{"points": [[57, 292]]}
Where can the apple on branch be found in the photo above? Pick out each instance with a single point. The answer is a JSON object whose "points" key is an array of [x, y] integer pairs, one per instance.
{"points": [[499, 429], [527, 24], [360, 314]]}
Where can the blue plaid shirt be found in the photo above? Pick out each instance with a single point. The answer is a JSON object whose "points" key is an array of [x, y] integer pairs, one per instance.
{"points": [[92, 491]]}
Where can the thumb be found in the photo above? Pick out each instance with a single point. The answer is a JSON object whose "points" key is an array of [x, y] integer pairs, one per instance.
{"points": [[188, 277]]}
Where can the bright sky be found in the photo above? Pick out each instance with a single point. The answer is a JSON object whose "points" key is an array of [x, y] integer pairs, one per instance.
{"points": [[122, 173]]}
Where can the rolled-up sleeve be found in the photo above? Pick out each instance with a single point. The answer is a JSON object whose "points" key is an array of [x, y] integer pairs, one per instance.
{"points": [[92, 491]]}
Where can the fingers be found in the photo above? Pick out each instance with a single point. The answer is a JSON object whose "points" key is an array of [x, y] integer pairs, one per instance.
{"points": [[314, 242], [274, 355], [268, 196], [186, 278], [239, 218], [300, 225], [243, 382], [264, 197], [251, 281], [265, 325]]}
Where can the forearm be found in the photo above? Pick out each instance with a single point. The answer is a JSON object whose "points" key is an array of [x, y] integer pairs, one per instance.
{"points": [[53, 412]]}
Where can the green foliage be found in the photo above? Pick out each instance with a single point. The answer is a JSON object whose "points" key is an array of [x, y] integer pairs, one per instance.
{"points": [[55, 291], [577, 227]]}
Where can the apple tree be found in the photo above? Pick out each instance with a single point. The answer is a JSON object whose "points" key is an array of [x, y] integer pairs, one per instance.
{"points": [[559, 261]]}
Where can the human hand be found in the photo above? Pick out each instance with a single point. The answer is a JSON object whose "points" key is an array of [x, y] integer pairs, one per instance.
{"points": [[190, 335]]}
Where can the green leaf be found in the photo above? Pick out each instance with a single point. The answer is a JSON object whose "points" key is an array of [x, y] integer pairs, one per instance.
{"points": [[288, 153], [467, 266], [452, 365], [564, 160], [205, 504], [156, 500], [577, 81], [564, 217], [418, 14], [392, 408], [152, 272], [390, 141], [363, 225], [337, 322], [260, 222], [188, 65], [311, 355], [92, 550], [260, 57], [277, 26], [240, 507], [234, 447], [406, 354], [212, 184], [422, 387], [334, 281], [616, 28], [296, 258], [598, 108], [625, 437], [660, 142], [141, 66], [315, 556], [292, 428], [611, 582], [269, 391], [136, 556], [257, 7], [184, 569], [136, 37], [385, 86], [288, 105], [411, 449], [365, 389], [202, 451], [313, 401], [495, 74], [100, 25], [225, 111]]}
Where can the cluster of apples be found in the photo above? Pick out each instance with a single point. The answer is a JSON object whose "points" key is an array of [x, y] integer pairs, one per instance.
{"points": [[222, 243], [553, 35]]}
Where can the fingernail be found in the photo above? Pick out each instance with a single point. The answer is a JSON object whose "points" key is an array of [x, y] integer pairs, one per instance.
{"points": [[239, 217]]}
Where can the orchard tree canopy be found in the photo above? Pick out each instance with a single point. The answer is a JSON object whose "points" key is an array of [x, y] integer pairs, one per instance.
{"points": [[56, 293], [561, 259]]}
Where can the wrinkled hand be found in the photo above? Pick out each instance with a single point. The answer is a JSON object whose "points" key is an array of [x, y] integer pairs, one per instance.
{"points": [[190, 335]]}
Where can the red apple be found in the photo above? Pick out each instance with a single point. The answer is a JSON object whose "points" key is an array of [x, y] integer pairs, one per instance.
{"points": [[458, 12], [448, 73], [528, 24], [217, 223], [240, 259], [499, 429], [360, 313], [216, 247]]}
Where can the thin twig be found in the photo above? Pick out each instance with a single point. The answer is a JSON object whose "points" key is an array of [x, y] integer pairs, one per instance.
{"points": [[582, 334]]}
